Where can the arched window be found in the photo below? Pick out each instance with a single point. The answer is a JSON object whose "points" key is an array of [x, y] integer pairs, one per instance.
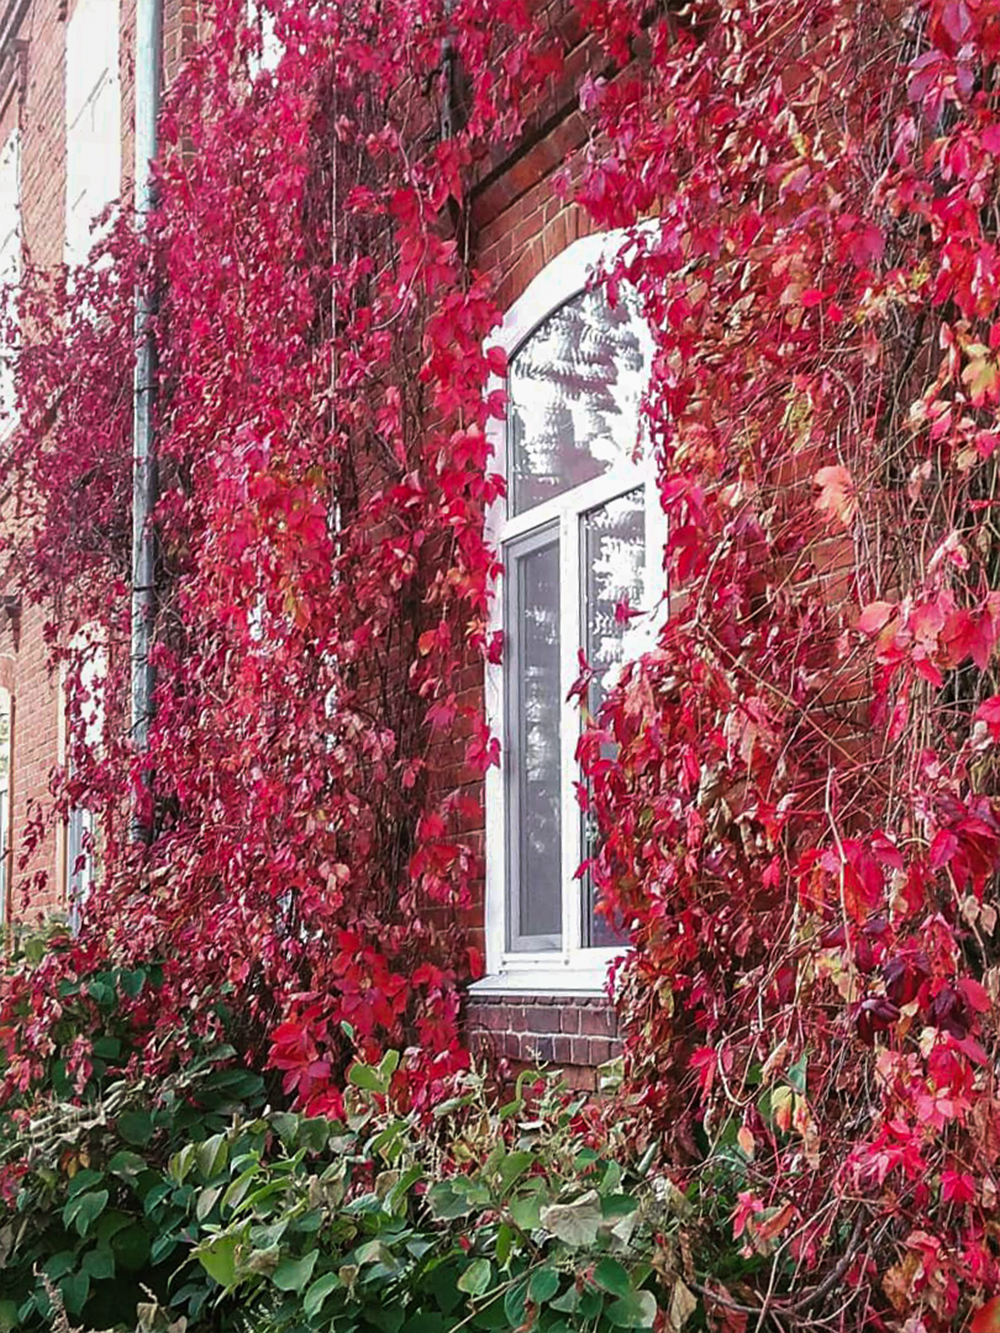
{"points": [[580, 537]]}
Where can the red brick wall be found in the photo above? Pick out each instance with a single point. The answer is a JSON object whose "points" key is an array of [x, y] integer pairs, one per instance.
{"points": [[574, 1033], [34, 747], [32, 95], [35, 102]]}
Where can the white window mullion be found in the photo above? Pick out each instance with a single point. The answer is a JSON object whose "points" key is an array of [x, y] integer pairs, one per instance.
{"points": [[570, 640], [590, 495], [656, 541]]}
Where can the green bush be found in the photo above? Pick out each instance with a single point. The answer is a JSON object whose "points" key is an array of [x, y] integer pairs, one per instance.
{"points": [[496, 1218], [493, 1217], [86, 1207], [95, 1212], [181, 1201]]}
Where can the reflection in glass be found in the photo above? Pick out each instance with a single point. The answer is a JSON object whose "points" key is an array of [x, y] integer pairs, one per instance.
{"points": [[574, 389], [534, 742], [613, 540]]}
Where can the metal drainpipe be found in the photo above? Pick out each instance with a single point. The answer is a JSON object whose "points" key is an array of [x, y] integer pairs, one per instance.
{"points": [[148, 29], [447, 127]]}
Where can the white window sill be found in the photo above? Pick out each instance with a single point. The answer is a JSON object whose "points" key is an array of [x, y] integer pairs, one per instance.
{"points": [[583, 980]]}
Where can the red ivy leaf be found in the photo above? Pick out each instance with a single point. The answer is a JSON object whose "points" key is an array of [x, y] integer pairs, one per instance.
{"points": [[837, 500], [987, 1317]]}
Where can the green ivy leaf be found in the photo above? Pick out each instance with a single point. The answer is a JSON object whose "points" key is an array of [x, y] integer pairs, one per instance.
{"points": [[445, 1202], [515, 1304], [637, 1311], [155, 1196], [111, 1223], [396, 1198], [162, 1247], [366, 1078], [568, 1302], [526, 1211], [476, 1278], [100, 992], [612, 1277], [131, 1246], [132, 982], [84, 1210], [543, 1285], [294, 1274], [389, 1064], [99, 1263], [82, 1181], [126, 1164], [796, 1074], [136, 1127], [505, 1243], [218, 1258], [590, 1304], [389, 1318], [212, 1156], [236, 1192], [75, 1289], [60, 1263], [207, 1200], [618, 1205], [34, 950], [317, 1294], [513, 1165], [181, 1163]]}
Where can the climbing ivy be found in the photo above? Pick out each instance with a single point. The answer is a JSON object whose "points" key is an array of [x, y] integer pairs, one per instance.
{"points": [[798, 808]]}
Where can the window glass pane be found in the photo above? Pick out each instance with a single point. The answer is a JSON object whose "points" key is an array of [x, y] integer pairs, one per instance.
{"points": [[79, 862], [533, 740], [574, 389], [613, 541]]}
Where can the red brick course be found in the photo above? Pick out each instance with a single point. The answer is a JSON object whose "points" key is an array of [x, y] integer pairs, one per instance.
{"points": [[525, 1029]]}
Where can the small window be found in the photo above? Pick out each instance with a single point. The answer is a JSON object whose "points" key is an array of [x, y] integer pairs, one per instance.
{"points": [[82, 842], [580, 539], [93, 121]]}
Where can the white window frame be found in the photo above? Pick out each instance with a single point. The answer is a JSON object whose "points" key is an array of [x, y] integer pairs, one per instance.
{"points": [[93, 123], [272, 48], [573, 968], [11, 265], [79, 830]]}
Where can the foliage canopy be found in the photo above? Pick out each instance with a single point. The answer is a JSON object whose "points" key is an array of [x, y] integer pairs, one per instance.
{"points": [[800, 821]]}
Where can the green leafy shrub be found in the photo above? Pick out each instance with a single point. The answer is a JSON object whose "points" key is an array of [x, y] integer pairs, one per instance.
{"points": [[500, 1217], [490, 1217], [86, 1207]]}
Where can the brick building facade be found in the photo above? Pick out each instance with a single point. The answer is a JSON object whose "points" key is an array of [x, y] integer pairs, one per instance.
{"points": [[66, 117], [66, 103]]}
